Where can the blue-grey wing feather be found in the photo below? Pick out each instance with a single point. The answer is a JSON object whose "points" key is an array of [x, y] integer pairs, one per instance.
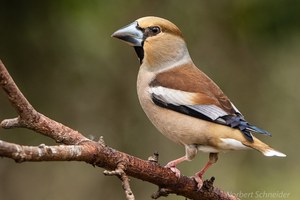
{"points": [[211, 113]]}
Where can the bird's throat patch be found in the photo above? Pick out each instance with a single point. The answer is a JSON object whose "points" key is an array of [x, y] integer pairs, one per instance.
{"points": [[139, 52]]}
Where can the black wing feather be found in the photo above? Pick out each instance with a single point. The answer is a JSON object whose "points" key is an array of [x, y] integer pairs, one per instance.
{"points": [[236, 120]]}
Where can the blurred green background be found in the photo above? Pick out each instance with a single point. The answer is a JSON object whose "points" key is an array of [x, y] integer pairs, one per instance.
{"points": [[62, 57]]}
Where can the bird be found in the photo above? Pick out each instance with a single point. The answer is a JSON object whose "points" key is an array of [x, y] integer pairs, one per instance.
{"points": [[181, 101]]}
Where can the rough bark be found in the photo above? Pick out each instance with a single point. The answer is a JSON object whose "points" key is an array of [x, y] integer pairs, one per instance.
{"points": [[73, 146]]}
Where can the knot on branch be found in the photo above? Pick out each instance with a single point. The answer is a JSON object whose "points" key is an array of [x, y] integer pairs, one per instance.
{"points": [[154, 157], [101, 141], [161, 192], [45, 150], [19, 155], [208, 185]]}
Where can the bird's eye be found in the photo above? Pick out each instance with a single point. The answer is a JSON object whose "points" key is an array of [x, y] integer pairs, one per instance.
{"points": [[154, 29], [151, 31]]}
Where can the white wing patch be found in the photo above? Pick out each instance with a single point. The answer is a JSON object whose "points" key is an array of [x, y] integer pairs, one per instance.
{"points": [[182, 98], [172, 96]]}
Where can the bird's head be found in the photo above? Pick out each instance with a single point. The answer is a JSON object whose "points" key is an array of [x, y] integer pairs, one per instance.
{"points": [[157, 42]]}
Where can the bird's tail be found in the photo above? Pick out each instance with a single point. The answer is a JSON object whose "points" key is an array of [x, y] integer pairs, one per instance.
{"points": [[263, 148]]}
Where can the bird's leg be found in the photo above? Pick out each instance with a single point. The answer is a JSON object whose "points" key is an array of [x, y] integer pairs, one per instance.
{"points": [[190, 153], [172, 165], [213, 157]]}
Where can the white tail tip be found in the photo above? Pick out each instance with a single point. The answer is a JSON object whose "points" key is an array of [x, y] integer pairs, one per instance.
{"points": [[272, 152]]}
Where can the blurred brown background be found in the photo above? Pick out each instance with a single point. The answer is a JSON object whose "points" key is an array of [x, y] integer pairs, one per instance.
{"points": [[62, 57]]}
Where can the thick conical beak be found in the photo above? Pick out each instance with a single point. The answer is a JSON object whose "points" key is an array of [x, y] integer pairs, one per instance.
{"points": [[131, 34]]}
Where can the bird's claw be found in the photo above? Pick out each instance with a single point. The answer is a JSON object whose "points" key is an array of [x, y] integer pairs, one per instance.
{"points": [[199, 181], [174, 169]]}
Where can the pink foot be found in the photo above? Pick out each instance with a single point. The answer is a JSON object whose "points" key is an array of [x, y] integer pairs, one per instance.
{"points": [[173, 163], [199, 181], [198, 176], [174, 169]]}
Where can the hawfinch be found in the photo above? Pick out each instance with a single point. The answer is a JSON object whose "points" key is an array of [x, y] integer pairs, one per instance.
{"points": [[181, 101]]}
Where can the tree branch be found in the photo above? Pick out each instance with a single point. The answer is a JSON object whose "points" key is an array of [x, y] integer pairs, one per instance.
{"points": [[119, 172], [75, 147]]}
